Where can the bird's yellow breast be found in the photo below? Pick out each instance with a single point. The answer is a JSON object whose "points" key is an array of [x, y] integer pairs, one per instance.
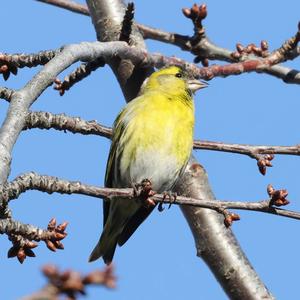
{"points": [[157, 126]]}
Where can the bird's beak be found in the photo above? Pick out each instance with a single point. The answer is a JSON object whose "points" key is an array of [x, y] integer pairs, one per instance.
{"points": [[195, 85]]}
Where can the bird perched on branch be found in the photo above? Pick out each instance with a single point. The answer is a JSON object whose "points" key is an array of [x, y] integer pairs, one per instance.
{"points": [[153, 139]]}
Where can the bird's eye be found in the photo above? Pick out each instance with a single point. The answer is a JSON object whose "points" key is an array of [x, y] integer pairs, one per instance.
{"points": [[179, 75]]}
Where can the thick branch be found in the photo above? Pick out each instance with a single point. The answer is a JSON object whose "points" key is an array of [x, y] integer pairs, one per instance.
{"points": [[107, 17], [22, 99], [215, 243]]}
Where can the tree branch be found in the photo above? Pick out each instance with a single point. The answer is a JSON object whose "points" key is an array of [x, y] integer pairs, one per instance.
{"points": [[30, 232], [6, 93], [262, 154], [50, 184], [9, 63], [107, 17], [215, 243], [70, 283], [21, 235], [46, 120], [79, 74], [99, 53], [250, 150], [14, 122], [204, 47], [69, 5], [22, 99]]}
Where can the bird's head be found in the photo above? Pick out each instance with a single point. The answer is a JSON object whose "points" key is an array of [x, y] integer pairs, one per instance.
{"points": [[172, 79]]}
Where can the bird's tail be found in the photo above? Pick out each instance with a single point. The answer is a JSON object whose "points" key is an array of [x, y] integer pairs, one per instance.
{"points": [[106, 245]]}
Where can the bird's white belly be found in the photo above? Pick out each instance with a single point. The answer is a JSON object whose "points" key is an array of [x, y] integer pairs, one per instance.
{"points": [[160, 168]]}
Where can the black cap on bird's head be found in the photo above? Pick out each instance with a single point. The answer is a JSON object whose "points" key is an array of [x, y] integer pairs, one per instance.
{"points": [[193, 84], [174, 76]]}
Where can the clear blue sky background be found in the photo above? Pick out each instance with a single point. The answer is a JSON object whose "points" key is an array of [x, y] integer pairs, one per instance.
{"points": [[159, 262]]}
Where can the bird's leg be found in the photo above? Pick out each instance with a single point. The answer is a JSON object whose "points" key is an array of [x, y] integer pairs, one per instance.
{"points": [[144, 191]]}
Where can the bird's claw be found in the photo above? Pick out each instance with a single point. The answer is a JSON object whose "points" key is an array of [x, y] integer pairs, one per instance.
{"points": [[160, 207], [172, 198]]}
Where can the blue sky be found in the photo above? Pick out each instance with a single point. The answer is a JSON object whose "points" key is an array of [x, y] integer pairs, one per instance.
{"points": [[159, 261]]}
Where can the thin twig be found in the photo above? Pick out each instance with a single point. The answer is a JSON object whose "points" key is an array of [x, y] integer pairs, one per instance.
{"points": [[46, 120], [11, 226], [250, 150], [50, 184], [69, 5], [10, 63], [84, 70], [71, 284], [21, 235]]}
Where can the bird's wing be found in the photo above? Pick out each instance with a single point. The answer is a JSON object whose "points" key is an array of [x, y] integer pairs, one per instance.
{"points": [[134, 222], [111, 167], [108, 182]]}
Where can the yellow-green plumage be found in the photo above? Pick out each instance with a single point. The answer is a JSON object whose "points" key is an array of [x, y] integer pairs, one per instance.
{"points": [[152, 138]]}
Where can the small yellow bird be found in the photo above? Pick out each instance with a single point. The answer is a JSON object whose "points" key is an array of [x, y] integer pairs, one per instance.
{"points": [[153, 139]]}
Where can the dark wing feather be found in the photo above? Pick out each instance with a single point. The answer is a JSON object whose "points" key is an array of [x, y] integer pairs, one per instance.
{"points": [[134, 222], [111, 162], [110, 166], [106, 206], [111, 177]]}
